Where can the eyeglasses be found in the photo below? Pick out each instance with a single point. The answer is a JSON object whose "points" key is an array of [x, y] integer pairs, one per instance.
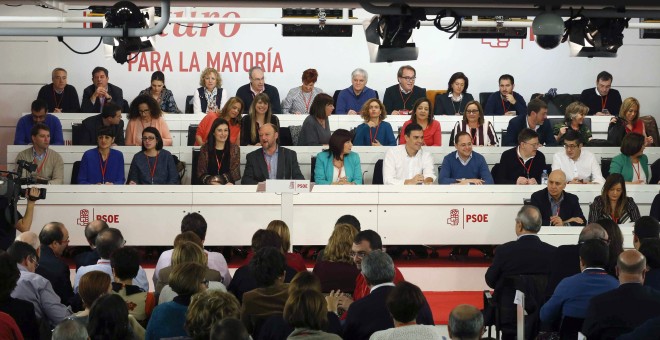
{"points": [[144, 111], [35, 261], [472, 112], [205, 283], [360, 254], [571, 146], [144, 139], [534, 145], [408, 79]]}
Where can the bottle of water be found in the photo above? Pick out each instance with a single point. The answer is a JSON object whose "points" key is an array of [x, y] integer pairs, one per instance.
{"points": [[544, 177]]}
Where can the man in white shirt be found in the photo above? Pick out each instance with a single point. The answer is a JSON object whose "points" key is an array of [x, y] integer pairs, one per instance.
{"points": [[408, 164], [580, 166]]}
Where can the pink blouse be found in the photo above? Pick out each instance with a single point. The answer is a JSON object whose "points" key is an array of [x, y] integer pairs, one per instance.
{"points": [[136, 126]]}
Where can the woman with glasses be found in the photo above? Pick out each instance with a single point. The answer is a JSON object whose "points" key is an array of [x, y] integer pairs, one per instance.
{"points": [[632, 163], [456, 100], [219, 159], [102, 165], [422, 114], [613, 203], [573, 121], [145, 112], [154, 165], [374, 131], [481, 132]]}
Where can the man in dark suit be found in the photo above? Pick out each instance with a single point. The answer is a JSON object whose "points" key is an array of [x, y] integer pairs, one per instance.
{"points": [[271, 161], [536, 119], [558, 207], [100, 92], [527, 255], [623, 309], [399, 99], [646, 227], [523, 164], [88, 258], [370, 314], [54, 238], [258, 85], [110, 116]]}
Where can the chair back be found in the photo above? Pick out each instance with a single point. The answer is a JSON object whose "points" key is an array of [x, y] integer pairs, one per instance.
{"points": [[495, 171], [483, 97], [193, 176], [77, 134], [605, 166], [334, 100], [431, 94], [312, 166], [74, 172], [378, 172], [533, 286], [192, 132], [189, 104], [285, 138]]}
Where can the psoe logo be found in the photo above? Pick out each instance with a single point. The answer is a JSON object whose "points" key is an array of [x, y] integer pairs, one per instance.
{"points": [[454, 217], [83, 220]]}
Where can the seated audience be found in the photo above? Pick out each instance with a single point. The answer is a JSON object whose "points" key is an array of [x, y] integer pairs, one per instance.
{"points": [[168, 319], [299, 98], [336, 270], [125, 264], [23, 134], [307, 312], [231, 112], [20, 310], [353, 98], [141, 170], [456, 100], [405, 302], [615, 241], [506, 102], [293, 260], [54, 239], [161, 94], [70, 330], [60, 96], [107, 242], [95, 96], [655, 207], [272, 161], [650, 248], [409, 164], [92, 286], [374, 131], [210, 96], [316, 126], [145, 112], [35, 288], [648, 330], [338, 165], [197, 224], [632, 163], [613, 202], [260, 113], [558, 207], [523, 164], [257, 86], [621, 310], [466, 322], [109, 116], [602, 100], [573, 121], [627, 122], [536, 119], [227, 156], [91, 256], [48, 164], [421, 114], [464, 166], [399, 98], [579, 165], [102, 165], [109, 319], [646, 227], [208, 308], [481, 131], [229, 329], [370, 314]]}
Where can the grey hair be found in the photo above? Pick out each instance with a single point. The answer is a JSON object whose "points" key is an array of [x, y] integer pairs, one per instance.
{"points": [[252, 70], [361, 72], [70, 330], [30, 238], [378, 267], [592, 231], [466, 324], [530, 217]]}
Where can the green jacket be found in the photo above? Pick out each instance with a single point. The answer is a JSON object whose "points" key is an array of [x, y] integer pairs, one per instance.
{"points": [[621, 164]]}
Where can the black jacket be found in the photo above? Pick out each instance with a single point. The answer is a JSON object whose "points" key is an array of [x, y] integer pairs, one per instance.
{"points": [[510, 168], [568, 208], [519, 123], [256, 169]]}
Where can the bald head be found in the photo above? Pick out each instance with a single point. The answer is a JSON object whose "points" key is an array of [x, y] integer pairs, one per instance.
{"points": [[92, 230], [465, 322], [30, 238], [593, 231], [631, 266], [558, 175], [556, 184]]}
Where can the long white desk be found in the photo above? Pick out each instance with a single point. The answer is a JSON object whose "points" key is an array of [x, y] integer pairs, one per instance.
{"points": [[178, 124], [368, 156], [436, 215]]}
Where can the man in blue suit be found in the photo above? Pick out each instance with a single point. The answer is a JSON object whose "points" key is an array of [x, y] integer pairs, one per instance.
{"points": [[536, 119]]}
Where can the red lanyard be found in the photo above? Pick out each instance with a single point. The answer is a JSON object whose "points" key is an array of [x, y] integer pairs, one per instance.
{"points": [[373, 138], [506, 109], [405, 100], [103, 166], [34, 160], [152, 170], [474, 136], [637, 171], [306, 100], [58, 103], [603, 102], [219, 162], [527, 168], [616, 220]]}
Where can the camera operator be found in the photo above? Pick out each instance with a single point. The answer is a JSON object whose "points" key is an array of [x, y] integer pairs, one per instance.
{"points": [[23, 222], [47, 166]]}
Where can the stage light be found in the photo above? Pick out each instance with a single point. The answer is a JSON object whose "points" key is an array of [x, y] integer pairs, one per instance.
{"points": [[595, 37], [388, 35], [126, 14]]}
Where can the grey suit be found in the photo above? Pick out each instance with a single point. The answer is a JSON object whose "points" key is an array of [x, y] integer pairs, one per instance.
{"points": [[256, 169]]}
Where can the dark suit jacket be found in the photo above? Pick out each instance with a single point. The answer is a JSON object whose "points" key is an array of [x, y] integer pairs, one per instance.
{"points": [[256, 169], [568, 208], [519, 123], [57, 272], [370, 314], [511, 169], [87, 107], [91, 126], [564, 262], [246, 96], [648, 330], [87, 258], [243, 281], [23, 313], [620, 311], [527, 255]]}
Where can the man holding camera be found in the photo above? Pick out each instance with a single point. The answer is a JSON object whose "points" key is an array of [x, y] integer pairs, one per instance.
{"points": [[40, 164], [23, 222]]}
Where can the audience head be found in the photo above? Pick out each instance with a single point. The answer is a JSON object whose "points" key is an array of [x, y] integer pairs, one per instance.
{"points": [[23, 254], [473, 109], [188, 236], [257, 79], [111, 111], [188, 278], [219, 131], [538, 107], [9, 275], [373, 108], [305, 280], [650, 247], [340, 244], [196, 223], [310, 76], [528, 142], [631, 266], [40, 135], [377, 268], [261, 105], [507, 84], [70, 329], [30, 238], [645, 227], [556, 183], [422, 109], [268, 266], [458, 83], [265, 238], [38, 110], [157, 82], [406, 76], [210, 78], [188, 252], [144, 106], [268, 136], [594, 253], [108, 318], [364, 242], [151, 132], [528, 220], [229, 329], [465, 323], [632, 144], [593, 231], [59, 78], [572, 144], [125, 263], [614, 190], [615, 239], [100, 76], [54, 236], [306, 309], [93, 285], [231, 112], [105, 137], [92, 229], [107, 241], [359, 79], [340, 143], [575, 111], [350, 219], [208, 308], [322, 106], [404, 302], [629, 110], [412, 127], [282, 230]]}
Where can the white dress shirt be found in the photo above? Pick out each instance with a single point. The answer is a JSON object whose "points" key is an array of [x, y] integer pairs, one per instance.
{"points": [[215, 261], [586, 166], [398, 166], [104, 265]]}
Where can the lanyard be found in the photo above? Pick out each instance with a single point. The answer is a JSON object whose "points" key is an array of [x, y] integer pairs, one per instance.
{"points": [[405, 100], [474, 133], [307, 101], [603, 102], [637, 171], [152, 171], [35, 161], [103, 166], [372, 138], [58, 103], [506, 109], [527, 168], [615, 219], [218, 162]]}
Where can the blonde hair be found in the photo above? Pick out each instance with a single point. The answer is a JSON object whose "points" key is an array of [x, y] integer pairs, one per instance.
{"points": [[627, 104], [281, 229], [224, 113], [207, 308], [218, 83], [188, 252], [573, 109], [364, 112], [340, 243], [252, 112]]}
